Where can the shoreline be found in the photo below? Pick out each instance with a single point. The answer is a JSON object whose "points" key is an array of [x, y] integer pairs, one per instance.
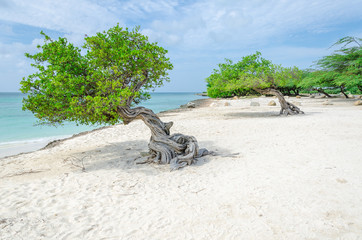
{"points": [[9, 149], [203, 102], [33, 145]]}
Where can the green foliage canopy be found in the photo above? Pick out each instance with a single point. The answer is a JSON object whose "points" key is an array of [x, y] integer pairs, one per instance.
{"points": [[341, 69], [252, 72], [114, 68]]}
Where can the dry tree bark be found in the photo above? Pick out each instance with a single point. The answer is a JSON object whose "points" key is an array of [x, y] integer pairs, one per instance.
{"points": [[321, 91], [287, 108], [178, 150], [342, 91]]}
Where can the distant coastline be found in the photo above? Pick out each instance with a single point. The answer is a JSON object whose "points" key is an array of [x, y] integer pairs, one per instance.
{"points": [[23, 142]]}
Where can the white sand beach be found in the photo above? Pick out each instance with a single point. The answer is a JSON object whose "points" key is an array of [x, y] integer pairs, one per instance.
{"points": [[272, 177]]}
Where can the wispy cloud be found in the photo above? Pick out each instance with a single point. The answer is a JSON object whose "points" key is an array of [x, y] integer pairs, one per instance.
{"points": [[68, 16], [194, 24], [13, 64], [203, 30], [223, 24]]}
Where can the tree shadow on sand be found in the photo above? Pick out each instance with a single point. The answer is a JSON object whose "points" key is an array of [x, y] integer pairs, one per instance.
{"points": [[122, 155]]}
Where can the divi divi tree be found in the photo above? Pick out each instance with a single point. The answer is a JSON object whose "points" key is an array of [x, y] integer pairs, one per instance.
{"points": [[342, 69], [101, 83], [253, 72]]}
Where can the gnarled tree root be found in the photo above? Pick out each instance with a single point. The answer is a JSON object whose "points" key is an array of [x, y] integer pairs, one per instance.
{"points": [[289, 109], [178, 150]]}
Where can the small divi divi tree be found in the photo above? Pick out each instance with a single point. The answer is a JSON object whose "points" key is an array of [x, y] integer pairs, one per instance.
{"points": [[265, 77], [255, 73], [100, 83]]}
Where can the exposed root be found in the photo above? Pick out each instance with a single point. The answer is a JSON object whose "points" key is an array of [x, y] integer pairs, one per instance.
{"points": [[290, 109], [178, 150]]}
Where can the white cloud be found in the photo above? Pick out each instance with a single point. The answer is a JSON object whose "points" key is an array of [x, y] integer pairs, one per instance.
{"points": [[142, 7], [227, 24], [204, 31], [69, 16], [193, 24], [14, 65]]}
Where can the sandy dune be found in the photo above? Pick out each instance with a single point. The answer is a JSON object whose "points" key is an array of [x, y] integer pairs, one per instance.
{"points": [[273, 177]]}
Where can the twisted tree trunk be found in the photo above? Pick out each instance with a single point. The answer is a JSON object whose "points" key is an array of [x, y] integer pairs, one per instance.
{"points": [[342, 91], [178, 150], [322, 91], [287, 108], [296, 91]]}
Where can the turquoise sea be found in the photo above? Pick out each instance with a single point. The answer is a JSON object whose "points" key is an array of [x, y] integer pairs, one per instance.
{"points": [[18, 132]]}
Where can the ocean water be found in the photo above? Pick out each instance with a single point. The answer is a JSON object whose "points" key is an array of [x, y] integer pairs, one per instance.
{"points": [[18, 132]]}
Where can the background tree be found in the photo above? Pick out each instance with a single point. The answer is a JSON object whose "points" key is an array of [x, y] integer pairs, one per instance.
{"points": [[116, 71], [290, 86], [318, 80], [254, 73], [223, 81], [342, 69]]}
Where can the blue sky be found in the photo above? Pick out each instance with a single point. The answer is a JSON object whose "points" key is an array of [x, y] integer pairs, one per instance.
{"points": [[198, 34]]}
